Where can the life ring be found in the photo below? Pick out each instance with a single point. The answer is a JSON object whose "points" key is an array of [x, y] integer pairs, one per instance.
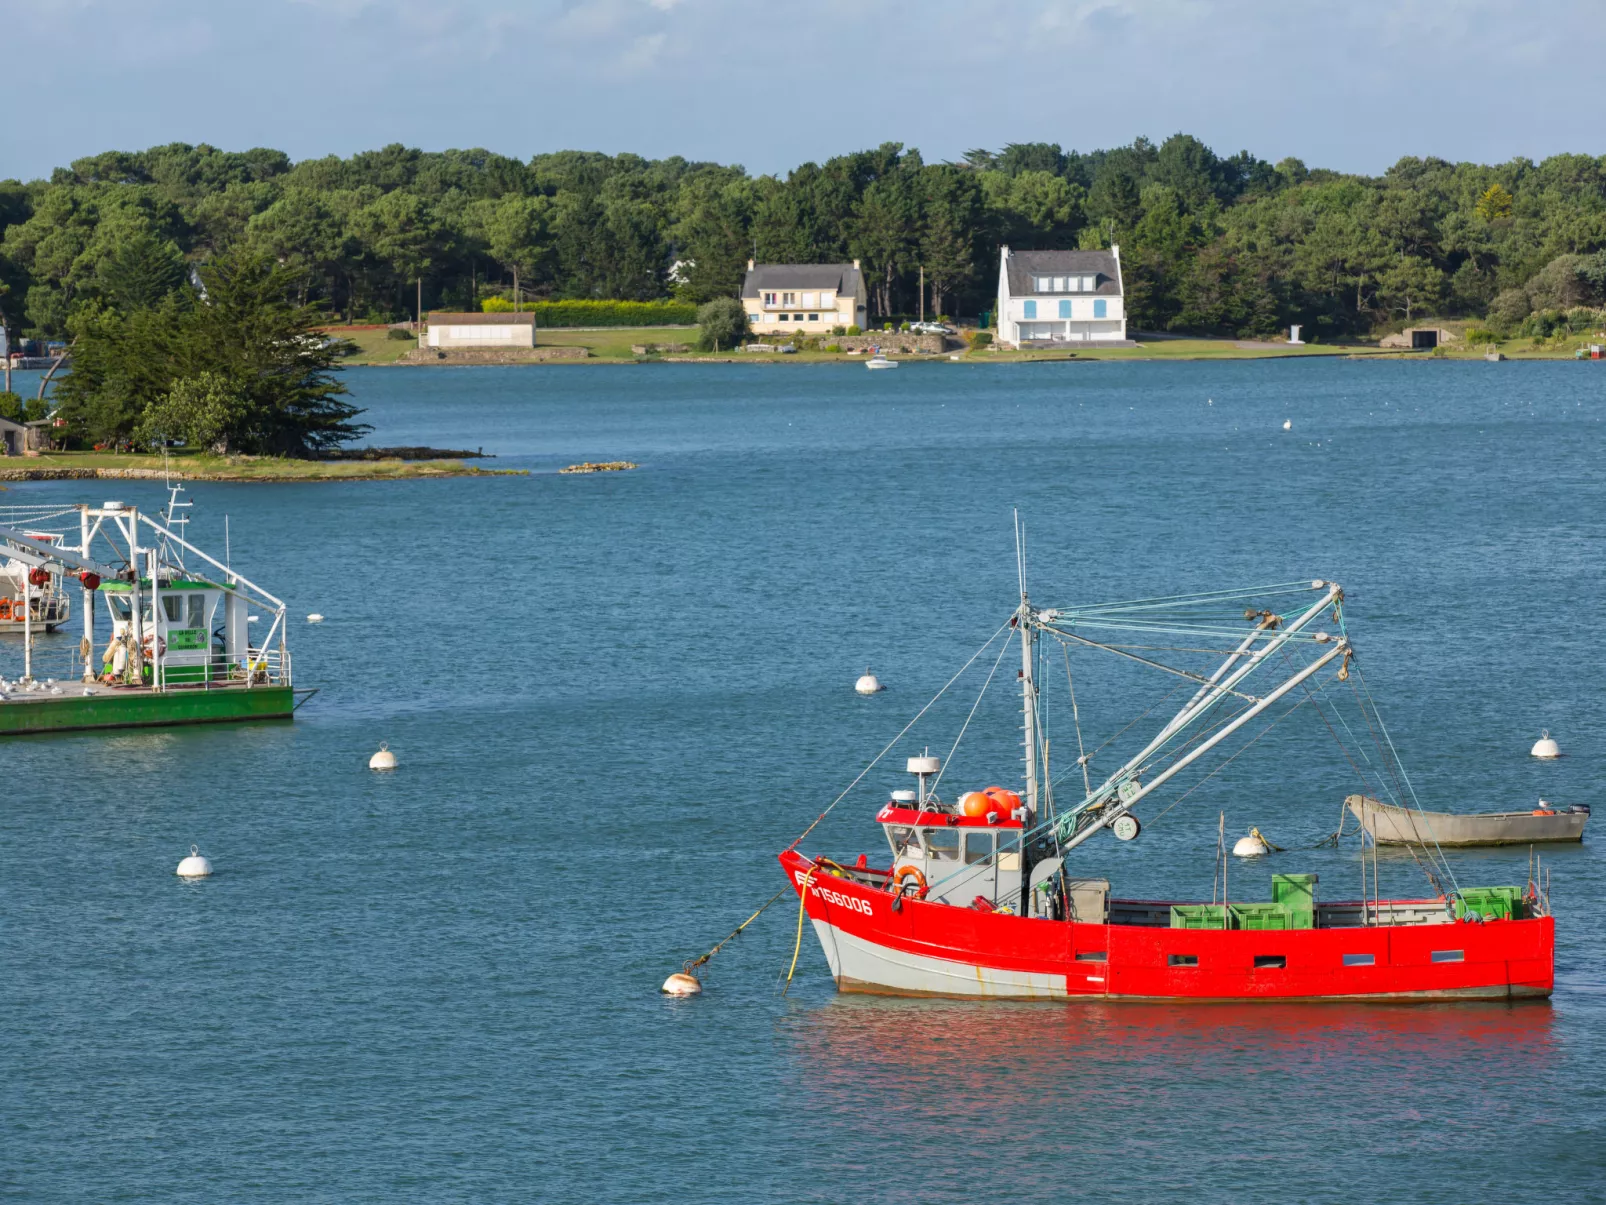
{"points": [[145, 645], [907, 872]]}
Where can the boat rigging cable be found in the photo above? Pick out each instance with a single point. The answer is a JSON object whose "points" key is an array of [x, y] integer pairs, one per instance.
{"points": [[1004, 627], [1183, 739]]}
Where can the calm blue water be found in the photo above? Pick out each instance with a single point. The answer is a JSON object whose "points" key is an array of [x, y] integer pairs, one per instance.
{"points": [[615, 698]]}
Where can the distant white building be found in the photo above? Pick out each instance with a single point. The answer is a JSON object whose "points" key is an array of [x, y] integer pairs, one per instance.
{"points": [[1060, 297], [480, 330]]}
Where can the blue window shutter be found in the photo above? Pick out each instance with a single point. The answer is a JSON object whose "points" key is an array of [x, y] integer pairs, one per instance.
{"points": [[1031, 309], [1099, 308], [1065, 309]]}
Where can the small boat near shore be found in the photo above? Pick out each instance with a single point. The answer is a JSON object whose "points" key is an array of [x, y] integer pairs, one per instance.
{"points": [[880, 361], [181, 648], [1390, 825]]}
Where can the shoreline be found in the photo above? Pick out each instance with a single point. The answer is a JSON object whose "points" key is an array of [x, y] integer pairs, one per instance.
{"points": [[259, 471]]}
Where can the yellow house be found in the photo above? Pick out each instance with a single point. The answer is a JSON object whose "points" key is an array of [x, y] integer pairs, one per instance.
{"points": [[806, 298]]}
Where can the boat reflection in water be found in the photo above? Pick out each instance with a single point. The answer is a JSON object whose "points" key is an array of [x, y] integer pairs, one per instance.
{"points": [[1156, 1101]]}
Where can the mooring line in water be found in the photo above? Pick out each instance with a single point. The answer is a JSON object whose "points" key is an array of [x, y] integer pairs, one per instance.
{"points": [[690, 967]]}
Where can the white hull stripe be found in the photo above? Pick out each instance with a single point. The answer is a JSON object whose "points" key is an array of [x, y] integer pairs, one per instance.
{"points": [[856, 963]]}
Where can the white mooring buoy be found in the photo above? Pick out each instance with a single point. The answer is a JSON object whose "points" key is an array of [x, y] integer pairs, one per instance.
{"points": [[194, 866], [869, 684], [383, 760], [682, 985], [1546, 745], [1288, 424], [1252, 846], [315, 617]]}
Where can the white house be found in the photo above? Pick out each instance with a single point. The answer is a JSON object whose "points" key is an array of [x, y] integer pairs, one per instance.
{"points": [[811, 298], [480, 330], [1060, 296]]}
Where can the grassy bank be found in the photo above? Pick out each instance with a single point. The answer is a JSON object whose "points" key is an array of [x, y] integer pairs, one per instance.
{"points": [[615, 346], [609, 344], [207, 467]]}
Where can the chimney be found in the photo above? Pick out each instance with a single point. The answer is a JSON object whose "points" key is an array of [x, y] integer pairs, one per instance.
{"points": [[855, 265], [749, 265]]}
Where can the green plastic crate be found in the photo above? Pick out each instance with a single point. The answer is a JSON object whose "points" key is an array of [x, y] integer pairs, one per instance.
{"points": [[1297, 894], [1260, 916], [1504, 903], [1196, 916]]}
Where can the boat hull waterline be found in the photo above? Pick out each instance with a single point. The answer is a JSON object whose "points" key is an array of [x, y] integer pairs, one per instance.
{"points": [[932, 949]]}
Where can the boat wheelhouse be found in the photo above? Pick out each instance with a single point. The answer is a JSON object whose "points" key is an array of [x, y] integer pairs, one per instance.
{"points": [[980, 897], [178, 645]]}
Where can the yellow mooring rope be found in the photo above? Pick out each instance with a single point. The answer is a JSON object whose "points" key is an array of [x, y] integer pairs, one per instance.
{"points": [[802, 900], [690, 968]]}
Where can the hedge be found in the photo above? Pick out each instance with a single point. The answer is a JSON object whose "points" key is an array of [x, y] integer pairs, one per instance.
{"points": [[601, 313]]}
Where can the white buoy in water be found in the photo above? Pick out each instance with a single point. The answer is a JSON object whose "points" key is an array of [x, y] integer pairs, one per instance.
{"points": [[869, 684], [682, 985], [1546, 745], [194, 866], [383, 760], [1288, 424], [1252, 846], [315, 617]]}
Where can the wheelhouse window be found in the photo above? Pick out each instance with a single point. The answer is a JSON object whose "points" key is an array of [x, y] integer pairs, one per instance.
{"points": [[174, 606], [1360, 960], [1183, 960], [122, 606], [1449, 955], [1009, 850], [942, 843], [978, 847], [903, 839], [197, 608]]}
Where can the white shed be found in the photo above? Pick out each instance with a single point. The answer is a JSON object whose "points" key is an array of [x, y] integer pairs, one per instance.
{"points": [[480, 330]]}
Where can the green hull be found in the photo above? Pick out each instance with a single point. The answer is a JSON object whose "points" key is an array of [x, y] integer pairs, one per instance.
{"points": [[147, 709]]}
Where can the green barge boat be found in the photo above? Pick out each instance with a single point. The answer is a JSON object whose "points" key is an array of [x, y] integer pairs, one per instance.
{"points": [[181, 647]]}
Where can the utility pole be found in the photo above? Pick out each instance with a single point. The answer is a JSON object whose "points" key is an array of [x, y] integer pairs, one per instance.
{"points": [[5, 350], [922, 292], [419, 323], [515, 288]]}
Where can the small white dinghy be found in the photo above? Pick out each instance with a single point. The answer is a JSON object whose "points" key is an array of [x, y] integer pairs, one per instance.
{"points": [[1390, 825], [880, 361]]}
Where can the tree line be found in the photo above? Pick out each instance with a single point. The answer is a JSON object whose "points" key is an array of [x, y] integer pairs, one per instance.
{"points": [[1210, 244]]}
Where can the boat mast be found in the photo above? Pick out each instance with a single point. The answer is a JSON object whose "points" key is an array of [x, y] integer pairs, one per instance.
{"points": [[1028, 684]]}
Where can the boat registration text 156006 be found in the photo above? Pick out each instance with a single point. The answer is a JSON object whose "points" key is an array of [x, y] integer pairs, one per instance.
{"points": [[835, 897]]}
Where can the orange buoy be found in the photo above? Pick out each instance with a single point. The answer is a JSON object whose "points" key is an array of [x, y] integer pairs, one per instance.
{"points": [[1008, 801], [977, 804]]}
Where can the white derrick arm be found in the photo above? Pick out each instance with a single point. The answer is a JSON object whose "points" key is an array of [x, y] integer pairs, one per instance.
{"points": [[49, 552], [1131, 800], [1213, 693], [231, 576]]}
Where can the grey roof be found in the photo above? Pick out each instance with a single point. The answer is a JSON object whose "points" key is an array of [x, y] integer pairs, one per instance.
{"points": [[1023, 265], [844, 278], [444, 318], [7, 425]]}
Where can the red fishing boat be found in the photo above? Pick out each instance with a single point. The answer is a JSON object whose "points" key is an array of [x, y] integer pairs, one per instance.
{"points": [[979, 897]]}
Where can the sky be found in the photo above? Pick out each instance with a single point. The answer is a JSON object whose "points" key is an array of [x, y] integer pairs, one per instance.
{"points": [[1353, 85]]}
